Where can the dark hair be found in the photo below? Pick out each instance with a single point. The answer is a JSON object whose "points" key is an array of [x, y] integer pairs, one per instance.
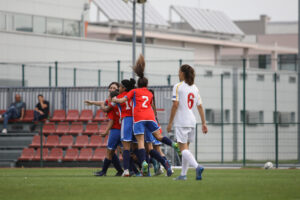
{"points": [[128, 84], [113, 83], [189, 74], [113, 94], [139, 69], [40, 95]]}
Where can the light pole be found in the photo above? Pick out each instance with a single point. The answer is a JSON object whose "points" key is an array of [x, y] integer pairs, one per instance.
{"points": [[134, 29]]}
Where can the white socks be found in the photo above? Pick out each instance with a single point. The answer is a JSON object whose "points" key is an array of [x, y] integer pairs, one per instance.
{"points": [[187, 159]]}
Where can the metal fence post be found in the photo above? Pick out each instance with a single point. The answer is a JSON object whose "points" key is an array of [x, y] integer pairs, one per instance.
{"points": [[99, 77], [119, 68], [275, 118], [56, 74], [122, 75], [23, 75], [41, 145], [50, 78], [74, 77], [222, 120], [244, 112], [180, 62], [169, 80]]}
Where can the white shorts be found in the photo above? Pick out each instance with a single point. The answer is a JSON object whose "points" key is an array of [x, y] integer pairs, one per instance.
{"points": [[185, 134]]}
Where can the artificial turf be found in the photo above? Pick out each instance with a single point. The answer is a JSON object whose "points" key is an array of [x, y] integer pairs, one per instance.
{"points": [[79, 183]]}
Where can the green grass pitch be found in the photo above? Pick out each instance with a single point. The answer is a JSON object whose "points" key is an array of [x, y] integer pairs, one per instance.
{"points": [[78, 183]]}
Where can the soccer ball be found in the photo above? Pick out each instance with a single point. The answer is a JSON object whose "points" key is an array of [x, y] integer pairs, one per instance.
{"points": [[268, 165]]}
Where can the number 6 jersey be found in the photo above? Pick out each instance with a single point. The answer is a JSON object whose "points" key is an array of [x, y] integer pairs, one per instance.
{"points": [[142, 101], [188, 97]]}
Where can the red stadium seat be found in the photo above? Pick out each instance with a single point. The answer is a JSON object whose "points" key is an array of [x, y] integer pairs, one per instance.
{"points": [[99, 155], [36, 141], [86, 154], [62, 128], [100, 116], [27, 154], [91, 128], [38, 154], [66, 141], [73, 115], [1, 113], [81, 141], [71, 155], [86, 115], [49, 128], [96, 141], [56, 154], [103, 127], [104, 141], [76, 128], [28, 117], [52, 141], [58, 116]]}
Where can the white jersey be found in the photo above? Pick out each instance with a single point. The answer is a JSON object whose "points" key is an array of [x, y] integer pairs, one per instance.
{"points": [[188, 97]]}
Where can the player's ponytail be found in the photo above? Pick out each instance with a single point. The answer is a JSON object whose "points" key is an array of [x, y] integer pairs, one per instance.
{"points": [[189, 74], [139, 69]]}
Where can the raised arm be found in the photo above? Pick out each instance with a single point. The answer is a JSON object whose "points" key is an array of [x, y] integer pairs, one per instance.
{"points": [[96, 103], [121, 100]]}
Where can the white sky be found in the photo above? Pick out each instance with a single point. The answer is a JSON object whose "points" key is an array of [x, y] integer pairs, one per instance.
{"points": [[278, 10]]}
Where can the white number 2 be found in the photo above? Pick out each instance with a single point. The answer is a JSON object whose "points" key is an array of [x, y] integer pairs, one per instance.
{"points": [[146, 100]]}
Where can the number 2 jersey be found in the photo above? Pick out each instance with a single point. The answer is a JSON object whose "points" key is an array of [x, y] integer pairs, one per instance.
{"points": [[142, 101], [188, 97]]}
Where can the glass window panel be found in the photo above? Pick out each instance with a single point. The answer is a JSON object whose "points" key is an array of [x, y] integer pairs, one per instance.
{"points": [[39, 24], [9, 22], [71, 28], [2, 21], [23, 23], [54, 26]]}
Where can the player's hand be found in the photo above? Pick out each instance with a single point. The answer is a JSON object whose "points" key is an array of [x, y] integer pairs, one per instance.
{"points": [[169, 128], [204, 128], [41, 112], [103, 134], [88, 103], [114, 99]]}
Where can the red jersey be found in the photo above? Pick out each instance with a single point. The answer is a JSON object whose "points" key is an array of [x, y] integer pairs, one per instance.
{"points": [[142, 101], [114, 115], [125, 108]]}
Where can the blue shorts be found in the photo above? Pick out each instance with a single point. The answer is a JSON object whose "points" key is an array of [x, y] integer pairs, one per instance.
{"points": [[149, 138], [114, 139], [126, 129], [140, 127]]}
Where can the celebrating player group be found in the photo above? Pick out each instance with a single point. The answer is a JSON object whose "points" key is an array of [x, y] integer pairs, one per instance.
{"points": [[134, 128]]}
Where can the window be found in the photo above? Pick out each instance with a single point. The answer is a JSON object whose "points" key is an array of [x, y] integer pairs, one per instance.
{"points": [[227, 116], [242, 115], [292, 79], [288, 62], [293, 117], [261, 116], [23, 23], [208, 73], [209, 115], [54, 26], [2, 21], [39, 24], [71, 28], [226, 75], [264, 61], [260, 77], [9, 22]]}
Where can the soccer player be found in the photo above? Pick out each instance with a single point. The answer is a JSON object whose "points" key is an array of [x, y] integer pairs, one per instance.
{"points": [[185, 97], [143, 114], [113, 86], [114, 139]]}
